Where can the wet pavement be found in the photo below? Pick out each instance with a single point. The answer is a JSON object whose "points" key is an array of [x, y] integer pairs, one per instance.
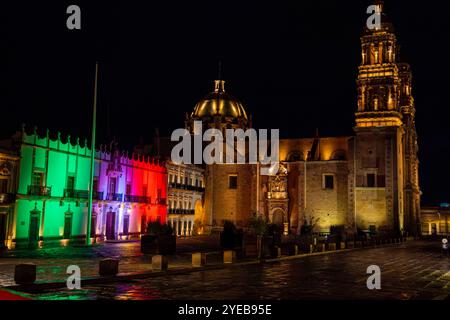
{"points": [[415, 270], [52, 263]]}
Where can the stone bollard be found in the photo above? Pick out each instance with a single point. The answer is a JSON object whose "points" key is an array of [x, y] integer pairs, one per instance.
{"points": [[342, 247], [198, 259], [358, 244], [311, 248], [108, 267], [160, 263], [295, 253], [25, 273], [275, 252], [229, 256], [321, 247]]}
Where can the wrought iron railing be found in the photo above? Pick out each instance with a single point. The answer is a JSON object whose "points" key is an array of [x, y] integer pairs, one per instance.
{"points": [[39, 191], [181, 211], [114, 197], [76, 194], [137, 199], [181, 186]]}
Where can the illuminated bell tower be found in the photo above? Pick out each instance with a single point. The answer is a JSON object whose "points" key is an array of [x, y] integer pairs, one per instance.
{"points": [[383, 181]]}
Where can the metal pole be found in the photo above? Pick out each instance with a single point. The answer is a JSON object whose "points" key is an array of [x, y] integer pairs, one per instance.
{"points": [[91, 177]]}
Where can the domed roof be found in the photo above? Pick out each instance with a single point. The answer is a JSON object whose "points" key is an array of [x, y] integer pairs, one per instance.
{"points": [[219, 103]]}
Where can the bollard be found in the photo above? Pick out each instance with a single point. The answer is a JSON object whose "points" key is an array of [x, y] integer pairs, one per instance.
{"points": [[321, 247], [295, 250], [198, 259], [25, 273], [160, 263], [229, 256], [108, 267], [275, 252], [332, 247], [342, 247]]}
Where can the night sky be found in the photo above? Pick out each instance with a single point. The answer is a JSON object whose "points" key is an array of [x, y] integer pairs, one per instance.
{"points": [[293, 64]]}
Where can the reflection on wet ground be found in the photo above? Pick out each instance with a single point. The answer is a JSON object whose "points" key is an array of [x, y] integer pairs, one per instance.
{"points": [[409, 271]]}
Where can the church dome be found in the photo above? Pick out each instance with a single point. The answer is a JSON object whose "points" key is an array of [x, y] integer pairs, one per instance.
{"points": [[219, 103]]}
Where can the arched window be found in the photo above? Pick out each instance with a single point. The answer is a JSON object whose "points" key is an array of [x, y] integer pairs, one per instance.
{"points": [[339, 155], [295, 156]]}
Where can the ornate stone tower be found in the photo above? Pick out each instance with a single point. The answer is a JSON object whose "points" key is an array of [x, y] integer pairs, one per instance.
{"points": [[383, 180]]}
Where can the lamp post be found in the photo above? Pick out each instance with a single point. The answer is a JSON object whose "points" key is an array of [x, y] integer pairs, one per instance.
{"points": [[91, 176]]}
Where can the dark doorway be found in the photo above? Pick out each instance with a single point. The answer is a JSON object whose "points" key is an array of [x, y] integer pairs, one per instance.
{"points": [[143, 224], [2, 230], [126, 224], [33, 232], [94, 225], [111, 226], [68, 225]]}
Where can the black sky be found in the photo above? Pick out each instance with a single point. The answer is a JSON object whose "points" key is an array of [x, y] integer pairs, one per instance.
{"points": [[293, 64]]}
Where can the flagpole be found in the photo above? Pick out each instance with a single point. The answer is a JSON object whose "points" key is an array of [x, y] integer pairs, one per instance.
{"points": [[91, 176]]}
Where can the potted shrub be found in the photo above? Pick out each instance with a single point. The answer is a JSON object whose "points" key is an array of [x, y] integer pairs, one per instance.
{"points": [[231, 237], [158, 239]]}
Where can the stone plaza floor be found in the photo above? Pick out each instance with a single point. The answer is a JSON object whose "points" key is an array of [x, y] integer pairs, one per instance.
{"points": [[52, 263], [413, 270]]}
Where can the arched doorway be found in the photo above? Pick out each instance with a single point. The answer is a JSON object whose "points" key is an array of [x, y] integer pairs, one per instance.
{"points": [[278, 217]]}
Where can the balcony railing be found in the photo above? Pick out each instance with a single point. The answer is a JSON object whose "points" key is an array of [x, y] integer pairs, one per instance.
{"points": [[97, 195], [137, 199], [181, 211], [76, 194], [181, 186], [161, 201], [40, 191], [6, 198], [114, 197]]}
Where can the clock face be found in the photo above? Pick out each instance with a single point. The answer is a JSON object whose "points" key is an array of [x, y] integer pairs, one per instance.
{"points": [[444, 241]]}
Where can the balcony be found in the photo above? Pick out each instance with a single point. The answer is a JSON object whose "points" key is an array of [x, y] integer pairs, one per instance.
{"points": [[114, 197], [6, 198], [40, 191], [97, 195], [180, 186], [76, 194], [161, 201], [137, 199], [181, 211]]}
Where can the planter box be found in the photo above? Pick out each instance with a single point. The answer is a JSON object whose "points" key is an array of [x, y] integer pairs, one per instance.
{"points": [[229, 256], [198, 259], [108, 267], [161, 244], [159, 263], [25, 273]]}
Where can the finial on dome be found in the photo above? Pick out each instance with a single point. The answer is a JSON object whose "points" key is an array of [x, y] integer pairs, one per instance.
{"points": [[219, 86]]}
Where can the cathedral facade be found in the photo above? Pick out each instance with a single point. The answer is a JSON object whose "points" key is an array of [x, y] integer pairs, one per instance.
{"points": [[368, 181]]}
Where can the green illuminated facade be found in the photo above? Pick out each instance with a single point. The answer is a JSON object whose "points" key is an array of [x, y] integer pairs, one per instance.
{"points": [[52, 193]]}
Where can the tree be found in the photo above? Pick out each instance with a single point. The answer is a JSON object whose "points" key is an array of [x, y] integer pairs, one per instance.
{"points": [[259, 226]]}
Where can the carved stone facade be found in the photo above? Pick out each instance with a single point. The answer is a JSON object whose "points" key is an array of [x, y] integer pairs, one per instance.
{"points": [[8, 184], [366, 181], [186, 188]]}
